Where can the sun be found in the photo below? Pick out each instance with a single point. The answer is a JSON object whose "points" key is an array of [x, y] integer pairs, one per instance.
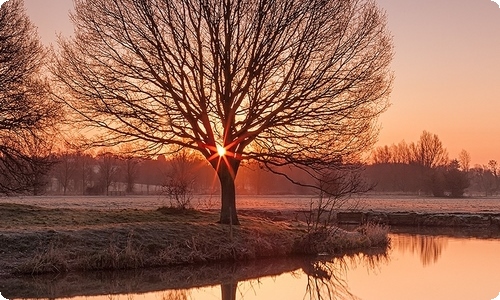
{"points": [[221, 150]]}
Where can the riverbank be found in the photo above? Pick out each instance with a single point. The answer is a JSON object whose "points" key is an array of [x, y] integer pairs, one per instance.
{"points": [[419, 219], [35, 240]]}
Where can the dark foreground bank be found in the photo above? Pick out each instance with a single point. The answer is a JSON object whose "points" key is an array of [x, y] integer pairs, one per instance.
{"points": [[35, 240]]}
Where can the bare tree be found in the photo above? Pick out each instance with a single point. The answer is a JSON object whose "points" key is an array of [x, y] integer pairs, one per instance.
{"points": [[383, 155], [108, 168], [26, 113], [464, 160], [131, 164], [429, 151], [401, 153], [494, 170], [131, 168], [85, 173], [65, 169], [281, 82]]}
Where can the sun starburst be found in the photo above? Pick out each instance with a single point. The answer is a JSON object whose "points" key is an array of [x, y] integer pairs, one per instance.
{"points": [[221, 150]]}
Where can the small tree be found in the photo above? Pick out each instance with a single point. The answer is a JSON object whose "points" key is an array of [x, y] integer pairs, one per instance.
{"points": [[180, 179]]}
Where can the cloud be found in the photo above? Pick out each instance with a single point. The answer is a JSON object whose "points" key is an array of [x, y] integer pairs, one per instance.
{"points": [[497, 298], [2, 298], [497, 2]]}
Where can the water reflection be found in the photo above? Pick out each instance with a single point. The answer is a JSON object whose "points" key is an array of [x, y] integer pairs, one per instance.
{"points": [[324, 279], [174, 295], [327, 279], [429, 248]]}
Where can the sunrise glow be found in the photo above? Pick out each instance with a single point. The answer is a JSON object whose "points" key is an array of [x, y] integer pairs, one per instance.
{"points": [[221, 150]]}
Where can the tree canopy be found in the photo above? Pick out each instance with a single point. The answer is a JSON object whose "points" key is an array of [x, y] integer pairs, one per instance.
{"points": [[26, 111], [280, 82]]}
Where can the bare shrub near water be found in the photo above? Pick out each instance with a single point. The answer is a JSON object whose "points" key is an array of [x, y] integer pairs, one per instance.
{"points": [[336, 189], [179, 192]]}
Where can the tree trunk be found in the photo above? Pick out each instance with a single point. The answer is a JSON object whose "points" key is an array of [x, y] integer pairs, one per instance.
{"points": [[226, 171], [229, 290]]}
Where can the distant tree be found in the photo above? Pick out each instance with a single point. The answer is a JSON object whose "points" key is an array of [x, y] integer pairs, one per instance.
{"points": [[130, 161], [401, 153], [65, 169], [456, 179], [131, 169], [429, 151], [108, 167], [280, 82], [483, 180], [85, 177], [435, 181], [415, 167], [431, 157], [464, 160], [383, 155], [493, 167], [494, 170]]}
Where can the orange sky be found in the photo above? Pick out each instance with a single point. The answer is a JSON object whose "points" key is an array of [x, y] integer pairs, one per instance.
{"points": [[446, 67]]}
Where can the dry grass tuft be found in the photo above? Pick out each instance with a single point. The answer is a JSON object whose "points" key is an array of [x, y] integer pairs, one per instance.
{"points": [[49, 261], [377, 234], [332, 240], [115, 257]]}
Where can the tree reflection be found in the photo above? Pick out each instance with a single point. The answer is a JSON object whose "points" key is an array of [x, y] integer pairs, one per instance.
{"points": [[175, 295], [327, 279], [429, 248], [228, 290]]}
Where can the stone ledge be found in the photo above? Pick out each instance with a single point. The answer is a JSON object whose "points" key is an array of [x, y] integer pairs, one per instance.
{"points": [[480, 220]]}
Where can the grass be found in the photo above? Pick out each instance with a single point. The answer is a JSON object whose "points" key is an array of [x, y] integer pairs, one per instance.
{"points": [[36, 240]]}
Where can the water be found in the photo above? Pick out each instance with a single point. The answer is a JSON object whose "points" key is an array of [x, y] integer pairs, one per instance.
{"points": [[418, 266]]}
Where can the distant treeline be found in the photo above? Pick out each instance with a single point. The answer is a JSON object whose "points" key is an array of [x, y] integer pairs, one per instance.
{"points": [[421, 168], [425, 168], [107, 173]]}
